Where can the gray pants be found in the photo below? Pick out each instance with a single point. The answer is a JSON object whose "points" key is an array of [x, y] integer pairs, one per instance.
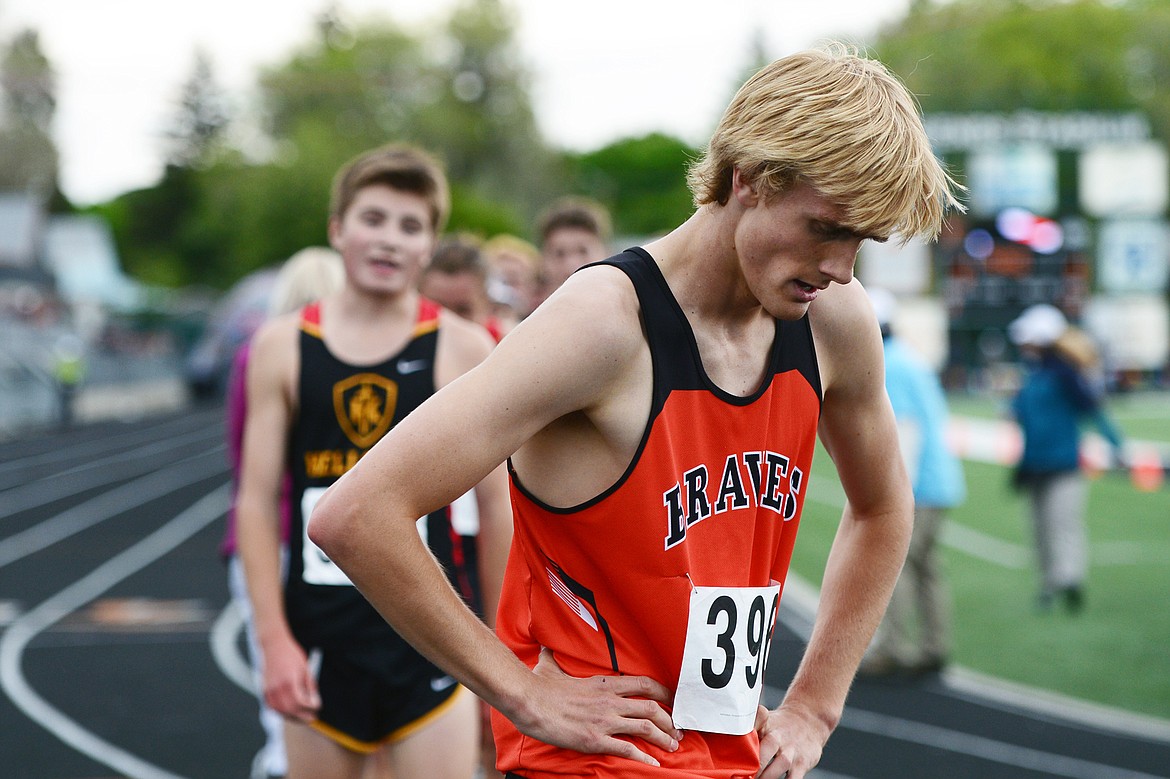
{"points": [[1058, 527], [917, 624]]}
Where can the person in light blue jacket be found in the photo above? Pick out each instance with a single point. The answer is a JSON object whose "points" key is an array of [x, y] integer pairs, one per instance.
{"points": [[915, 635], [1055, 397]]}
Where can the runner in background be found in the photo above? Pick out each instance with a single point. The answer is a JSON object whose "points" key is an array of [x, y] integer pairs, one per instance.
{"points": [[304, 277], [513, 270], [457, 279], [324, 385], [573, 232]]}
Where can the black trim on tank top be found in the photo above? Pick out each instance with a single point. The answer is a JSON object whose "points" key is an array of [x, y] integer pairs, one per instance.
{"points": [[676, 362], [675, 331]]}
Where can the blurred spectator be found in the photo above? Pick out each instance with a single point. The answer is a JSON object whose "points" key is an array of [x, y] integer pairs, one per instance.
{"points": [[1057, 393], [513, 268], [457, 279], [573, 232], [68, 372], [303, 278], [915, 634]]}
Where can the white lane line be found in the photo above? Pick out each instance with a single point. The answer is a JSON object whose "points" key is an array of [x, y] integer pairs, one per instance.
{"points": [[967, 540], [225, 648], [99, 448], [208, 509], [798, 609], [982, 748], [1011, 696], [827, 491], [981, 546], [109, 504], [958, 742], [56, 486]]}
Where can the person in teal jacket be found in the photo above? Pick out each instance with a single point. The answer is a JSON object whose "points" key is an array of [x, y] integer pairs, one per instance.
{"points": [[921, 598], [1055, 397]]}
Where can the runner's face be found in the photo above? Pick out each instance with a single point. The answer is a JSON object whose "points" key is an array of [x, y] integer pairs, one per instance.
{"points": [[385, 239], [463, 293], [565, 250], [792, 246]]}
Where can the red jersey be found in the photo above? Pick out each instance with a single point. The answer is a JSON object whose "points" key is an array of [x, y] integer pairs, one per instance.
{"points": [[712, 498]]}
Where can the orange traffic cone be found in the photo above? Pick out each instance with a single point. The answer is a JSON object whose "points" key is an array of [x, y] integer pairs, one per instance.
{"points": [[1146, 471]]}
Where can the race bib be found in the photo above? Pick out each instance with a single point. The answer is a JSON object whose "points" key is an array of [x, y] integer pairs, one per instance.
{"points": [[729, 632], [316, 567]]}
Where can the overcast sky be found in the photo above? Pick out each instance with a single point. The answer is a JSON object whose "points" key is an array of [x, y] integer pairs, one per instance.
{"points": [[652, 64]]}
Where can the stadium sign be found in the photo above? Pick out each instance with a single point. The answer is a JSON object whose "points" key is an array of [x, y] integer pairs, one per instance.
{"points": [[1065, 130]]}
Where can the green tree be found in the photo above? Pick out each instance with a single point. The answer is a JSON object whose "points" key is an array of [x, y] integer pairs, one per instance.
{"points": [[455, 89], [197, 130], [482, 119], [1003, 55], [28, 156], [356, 87], [146, 224], [458, 90], [642, 181]]}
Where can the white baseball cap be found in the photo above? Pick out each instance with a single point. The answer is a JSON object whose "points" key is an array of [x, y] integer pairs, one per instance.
{"points": [[1039, 325]]}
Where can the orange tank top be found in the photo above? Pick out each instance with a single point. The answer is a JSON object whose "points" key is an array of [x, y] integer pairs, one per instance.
{"points": [[712, 498]]}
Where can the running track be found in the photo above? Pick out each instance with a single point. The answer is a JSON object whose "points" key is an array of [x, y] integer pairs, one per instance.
{"points": [[119, 655]]}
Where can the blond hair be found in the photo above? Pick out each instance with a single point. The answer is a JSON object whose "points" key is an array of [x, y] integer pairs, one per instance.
{"points": [[506, 243], [400, 167], [845, 125], [310, 274], [1077, 348]]}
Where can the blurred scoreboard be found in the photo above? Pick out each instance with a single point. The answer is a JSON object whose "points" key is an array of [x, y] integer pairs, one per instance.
{"points": [[1068, 209]]}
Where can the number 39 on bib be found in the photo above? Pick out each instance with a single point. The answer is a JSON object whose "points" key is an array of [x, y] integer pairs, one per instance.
{"points": [[729, 632]]}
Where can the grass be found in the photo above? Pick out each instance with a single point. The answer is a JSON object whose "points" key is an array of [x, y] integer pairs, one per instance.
{"points": [[1142, 415], [1117, 651]]}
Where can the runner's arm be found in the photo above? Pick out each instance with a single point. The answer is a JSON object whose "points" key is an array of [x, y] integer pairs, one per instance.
{"points": [[462, 347], [288, 686], [561, 360], [858, 430]]}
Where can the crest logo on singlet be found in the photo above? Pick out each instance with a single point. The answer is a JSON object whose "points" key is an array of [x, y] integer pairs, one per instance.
{"points": [[364, 404]]}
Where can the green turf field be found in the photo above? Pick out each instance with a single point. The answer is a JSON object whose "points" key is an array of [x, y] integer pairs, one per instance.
{"points": [[1117, 651]]}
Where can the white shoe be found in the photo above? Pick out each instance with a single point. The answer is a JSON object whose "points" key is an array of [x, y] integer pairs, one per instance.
{"points": [[265, 765]]}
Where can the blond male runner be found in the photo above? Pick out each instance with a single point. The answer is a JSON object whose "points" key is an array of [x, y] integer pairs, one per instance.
{"points": [[324, 384], [658, 414]]}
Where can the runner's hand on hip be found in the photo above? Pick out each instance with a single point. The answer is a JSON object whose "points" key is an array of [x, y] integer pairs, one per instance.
{"points": [[589, 715], [790, 742]]}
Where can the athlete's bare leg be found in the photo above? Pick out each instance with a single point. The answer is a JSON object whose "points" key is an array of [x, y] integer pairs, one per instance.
{"points": [[312, 755], [378, 765], [447, 748]]}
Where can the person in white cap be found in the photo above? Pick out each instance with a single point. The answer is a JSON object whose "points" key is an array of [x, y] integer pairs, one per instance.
{"points": [[920, 597], [1054, 397]]}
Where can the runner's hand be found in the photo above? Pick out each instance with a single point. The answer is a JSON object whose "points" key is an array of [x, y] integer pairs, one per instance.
{"points": [[289, 685], [790, 742], [589, 715]]}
